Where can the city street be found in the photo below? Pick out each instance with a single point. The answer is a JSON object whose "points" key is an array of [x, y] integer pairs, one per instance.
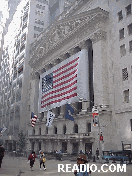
{"points": [[12, 166]]}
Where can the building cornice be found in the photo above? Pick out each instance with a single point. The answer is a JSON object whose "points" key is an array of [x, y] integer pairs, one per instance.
{"points": [[64, 30]]}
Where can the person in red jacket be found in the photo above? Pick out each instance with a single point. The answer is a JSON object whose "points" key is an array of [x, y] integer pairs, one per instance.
{"points": [[32, 157]]}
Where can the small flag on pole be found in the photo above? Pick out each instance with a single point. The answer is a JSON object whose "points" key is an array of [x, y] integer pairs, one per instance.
{"points": [[95, 116], [2, 130], [69, 112], [50, 117], [33, 119]]}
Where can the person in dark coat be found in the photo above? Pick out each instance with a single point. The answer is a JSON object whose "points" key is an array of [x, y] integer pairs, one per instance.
{"points": [[2, 153], [32, 157]]}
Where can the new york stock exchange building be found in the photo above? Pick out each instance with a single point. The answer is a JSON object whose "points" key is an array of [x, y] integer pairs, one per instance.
{"points": [[78, 61]]}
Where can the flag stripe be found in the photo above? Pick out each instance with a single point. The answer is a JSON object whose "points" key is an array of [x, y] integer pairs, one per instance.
{"points": [[59, 95], [64, 71], [59, 100], [69, 63], [60, 89], [60, 84], [63, 77]]}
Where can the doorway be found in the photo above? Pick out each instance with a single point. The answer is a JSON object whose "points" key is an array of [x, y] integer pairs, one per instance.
{"points": [[64, 147], [75, 147], [88, 146]]}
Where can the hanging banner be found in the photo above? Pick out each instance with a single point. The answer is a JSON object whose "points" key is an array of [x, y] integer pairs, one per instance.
{"points": [[50, 117], [66, 82]]}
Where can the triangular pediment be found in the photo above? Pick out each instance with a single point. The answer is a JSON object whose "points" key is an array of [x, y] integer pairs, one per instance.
{"points": [[65, 28]]}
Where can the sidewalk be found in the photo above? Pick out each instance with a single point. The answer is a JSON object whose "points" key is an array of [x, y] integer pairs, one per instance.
{"points": [[11, 166]]}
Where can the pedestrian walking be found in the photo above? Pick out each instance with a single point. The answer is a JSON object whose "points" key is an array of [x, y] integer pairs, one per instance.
{"points": [[42, 160], [81, 159], [89, 172], [2, 153], [32, 157]]}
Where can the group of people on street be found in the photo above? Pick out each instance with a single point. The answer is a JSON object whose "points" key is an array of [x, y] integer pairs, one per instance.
{"points": [[32, 157]]}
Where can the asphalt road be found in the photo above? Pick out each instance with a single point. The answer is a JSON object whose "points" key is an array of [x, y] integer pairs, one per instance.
{"points": [[12, 166]]}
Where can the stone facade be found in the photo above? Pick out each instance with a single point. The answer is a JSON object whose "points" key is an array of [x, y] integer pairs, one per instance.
{"points": [[93, 28]]}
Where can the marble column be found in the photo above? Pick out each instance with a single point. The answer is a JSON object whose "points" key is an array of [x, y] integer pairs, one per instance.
{"points": [[72, 52], [35, 93], [81, 145], [84, 48], [100, 76], [62, 110], [69, 147]]}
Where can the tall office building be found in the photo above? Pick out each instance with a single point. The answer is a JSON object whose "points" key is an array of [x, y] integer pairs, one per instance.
{"points": [[101, 32], [30, 18], [27, 19]]}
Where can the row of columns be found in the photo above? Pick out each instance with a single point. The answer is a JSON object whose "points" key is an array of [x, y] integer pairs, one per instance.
{"points": [[100, 76], [48, 145]]}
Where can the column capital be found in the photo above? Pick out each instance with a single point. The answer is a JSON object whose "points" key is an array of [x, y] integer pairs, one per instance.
{"points": [[85, 44], [35, 75], [64, 56], [99, 35], [75, 50]]}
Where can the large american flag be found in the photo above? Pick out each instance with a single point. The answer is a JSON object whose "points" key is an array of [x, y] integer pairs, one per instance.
{"points": [[63, 83]]}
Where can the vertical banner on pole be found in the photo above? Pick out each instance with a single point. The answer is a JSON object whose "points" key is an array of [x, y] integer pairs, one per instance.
{"points": [[95, 116]]}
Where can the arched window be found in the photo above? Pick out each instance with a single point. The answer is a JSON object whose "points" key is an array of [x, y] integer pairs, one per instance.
{"points": [[55, 130], [40, 131], [75, 128], [88, 127], [64, 129]]}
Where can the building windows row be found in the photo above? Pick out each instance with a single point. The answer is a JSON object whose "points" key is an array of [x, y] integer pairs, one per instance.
{"points": [[43, 1], [24, 26], [123, 49], [39, 13], [25, 17], [121, 31], [39, 22], [22, 48], [128, 12], [75, 129], [38, 29], [40, 7], [26, 6]]}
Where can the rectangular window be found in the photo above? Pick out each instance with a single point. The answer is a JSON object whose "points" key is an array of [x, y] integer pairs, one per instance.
{"points": [[131, 124], [130, 46], [126, 96], [129, 27], [121, 33], [128, 10], [29, 107], [122, 50], [124, 74], [120, 16]]}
